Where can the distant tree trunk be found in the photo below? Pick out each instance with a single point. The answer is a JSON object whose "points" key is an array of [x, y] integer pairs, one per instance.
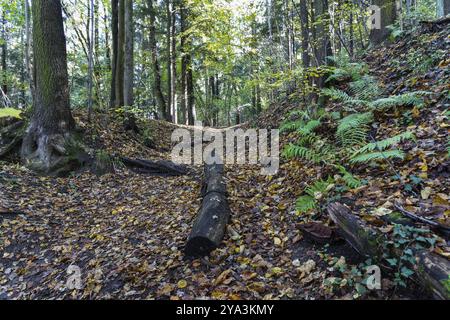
{"points": [[183, 97], [160, 101], [388, 15], [120, 54], [351, 35], [305, 33], [115, 32], [52, 122], [27, 47], [129, 47], [169, 55], [90, 38], [4, 56], [443, 8], [173, 64], [190, 90]]}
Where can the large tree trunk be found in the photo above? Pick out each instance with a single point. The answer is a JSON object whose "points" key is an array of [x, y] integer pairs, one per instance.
{"points": [[160, 101], [43, 147], [388, 14], [129, 65]]}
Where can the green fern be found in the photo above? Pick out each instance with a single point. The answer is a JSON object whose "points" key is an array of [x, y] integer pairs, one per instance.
{"points": [[291, 125], [352, 130], [309, 127], [305, 204], [386, 143], [317, 190], [406, 99], [379, 155], [295, 151], [348, 178], [342, 96], [366, 88]]}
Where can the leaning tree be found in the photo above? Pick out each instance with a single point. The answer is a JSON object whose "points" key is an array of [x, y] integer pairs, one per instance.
{"points": [[51, 124]]}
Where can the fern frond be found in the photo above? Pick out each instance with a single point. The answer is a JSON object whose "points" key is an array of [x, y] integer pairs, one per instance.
{"points": [[342, 96], [305, 204], [378, 155], [295, 151], [320, 186], [352, 130], [386, 143], [289, 126], [348, 178], [366, 88], [406, 99], [309, 127]]}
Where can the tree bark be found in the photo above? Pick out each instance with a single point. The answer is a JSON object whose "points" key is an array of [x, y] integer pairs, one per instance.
{"points": [[4, 56], [160, 100], [43, 147], [129, 56], [443, 8], [115, 32], [28, 68], [120, 55], [209, 227]]}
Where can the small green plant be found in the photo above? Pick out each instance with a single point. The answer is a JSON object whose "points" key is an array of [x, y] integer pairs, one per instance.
{"points": [[377, 150], [313, 193], [352, 130], [406, 239]]}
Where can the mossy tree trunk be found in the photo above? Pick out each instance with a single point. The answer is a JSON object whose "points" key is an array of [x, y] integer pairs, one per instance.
{"points": [[52, 122]]}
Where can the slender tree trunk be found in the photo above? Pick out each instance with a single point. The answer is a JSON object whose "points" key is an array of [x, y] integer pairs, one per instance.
{"points": [[169, 56], [120, 54], [27, 47], [173, 65], [4, 56], [183, 97], [160, 101], [51, 124], [90, 33], [305, 33], [129, 47], [115, 32]]}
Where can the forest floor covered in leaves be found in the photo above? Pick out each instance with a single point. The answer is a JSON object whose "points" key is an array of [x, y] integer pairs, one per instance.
{"points": [[126, 231]]}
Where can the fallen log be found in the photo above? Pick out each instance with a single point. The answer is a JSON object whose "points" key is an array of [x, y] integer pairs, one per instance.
{"points": [[209, 227], [436, 225], [432, 270], [162, 167]]}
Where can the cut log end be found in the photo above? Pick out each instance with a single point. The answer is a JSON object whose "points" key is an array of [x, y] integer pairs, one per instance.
{"points": [[199, 247]]}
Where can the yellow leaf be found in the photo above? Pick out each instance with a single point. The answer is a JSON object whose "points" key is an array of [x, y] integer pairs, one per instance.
{"points": [[277, 241], [182, 284]]}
